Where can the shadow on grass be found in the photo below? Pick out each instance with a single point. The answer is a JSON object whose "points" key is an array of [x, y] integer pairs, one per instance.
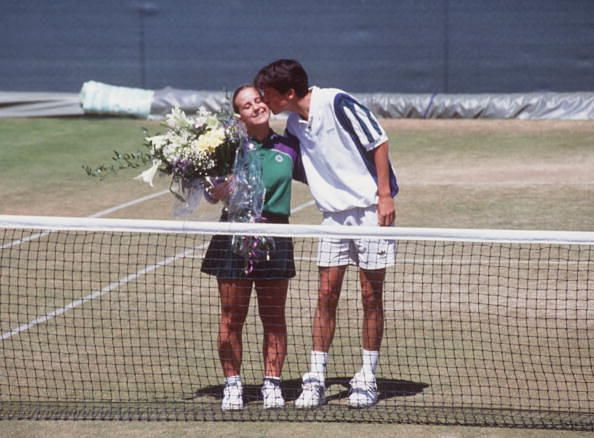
{"points": [[387, 388]]}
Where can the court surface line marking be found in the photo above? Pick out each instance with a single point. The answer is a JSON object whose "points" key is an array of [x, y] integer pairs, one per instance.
{"points": [[97, 294], [128, 204], [94, 215], [121, 207], [110, 287]]}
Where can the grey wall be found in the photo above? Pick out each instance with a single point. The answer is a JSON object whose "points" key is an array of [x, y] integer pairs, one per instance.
{"points": [[401, 46]]}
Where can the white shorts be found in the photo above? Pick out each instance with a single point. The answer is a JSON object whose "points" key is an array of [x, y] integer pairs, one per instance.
{"points": [[366, 253]]}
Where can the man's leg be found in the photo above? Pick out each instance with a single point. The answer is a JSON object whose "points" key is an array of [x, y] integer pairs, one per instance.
{"points": [[324, 325], [363, 385], [372, 287]]}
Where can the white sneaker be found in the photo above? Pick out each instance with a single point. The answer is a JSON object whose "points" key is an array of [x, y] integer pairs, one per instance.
{"points": [[313, 392], [363, 392], [272, 395], [232, 397]]}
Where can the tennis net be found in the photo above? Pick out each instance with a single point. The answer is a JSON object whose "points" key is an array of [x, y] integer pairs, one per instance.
{"points": [[113, 319]]}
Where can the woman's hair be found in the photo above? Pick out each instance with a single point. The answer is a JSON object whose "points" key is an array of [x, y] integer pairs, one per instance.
{"points": [[283, 75], [236, 92]]}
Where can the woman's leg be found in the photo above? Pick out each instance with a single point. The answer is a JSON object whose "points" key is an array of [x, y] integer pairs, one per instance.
{"points": [[235, 301], [272, 297]]}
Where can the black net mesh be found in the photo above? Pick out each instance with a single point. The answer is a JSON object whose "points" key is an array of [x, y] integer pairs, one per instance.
{"points": [[124, 325]]}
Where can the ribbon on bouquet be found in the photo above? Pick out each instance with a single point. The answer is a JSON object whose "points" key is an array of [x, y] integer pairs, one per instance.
{"points": [[246, 204]]}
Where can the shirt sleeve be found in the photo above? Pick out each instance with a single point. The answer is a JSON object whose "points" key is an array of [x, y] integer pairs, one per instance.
{"points": [[292, 142], [359, 122]]}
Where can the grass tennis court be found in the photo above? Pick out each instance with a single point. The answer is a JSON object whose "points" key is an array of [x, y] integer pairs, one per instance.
{"points": [[453, 173], [480, 174]]}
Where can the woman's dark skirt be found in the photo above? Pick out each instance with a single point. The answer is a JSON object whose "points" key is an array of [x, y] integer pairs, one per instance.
{"points": [[221, 261]]}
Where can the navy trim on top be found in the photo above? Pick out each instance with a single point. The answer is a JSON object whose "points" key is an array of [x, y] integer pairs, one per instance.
{"points": [[342, 101], [288, 144]]}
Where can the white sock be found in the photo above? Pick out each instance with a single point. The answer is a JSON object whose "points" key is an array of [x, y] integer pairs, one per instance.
{"points": [[318, 363], [370, 360], [272, 379], [232, 380]]}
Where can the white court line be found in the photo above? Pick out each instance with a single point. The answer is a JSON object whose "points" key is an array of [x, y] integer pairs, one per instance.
{"points": [[467, 262], [94, 215], [24, 240], [511, 184], [303, 206], [128, 204], [96, 294], [111, 286], [457, 262]]}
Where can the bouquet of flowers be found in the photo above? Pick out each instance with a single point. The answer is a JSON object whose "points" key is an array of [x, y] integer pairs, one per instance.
{"points": [[196, 150]]}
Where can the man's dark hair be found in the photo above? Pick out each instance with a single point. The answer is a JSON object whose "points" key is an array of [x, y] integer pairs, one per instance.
{"points": [[282, 75]]}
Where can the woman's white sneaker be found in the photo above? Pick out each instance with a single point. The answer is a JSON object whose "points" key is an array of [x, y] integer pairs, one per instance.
{"points": [[232, 397], [272, 394]]}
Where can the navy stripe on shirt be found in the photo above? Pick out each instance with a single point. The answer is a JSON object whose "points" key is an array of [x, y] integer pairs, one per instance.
{"points": [[342, 102]]}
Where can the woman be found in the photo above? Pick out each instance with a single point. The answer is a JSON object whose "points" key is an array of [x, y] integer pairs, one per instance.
{"points": [[271, 276]]}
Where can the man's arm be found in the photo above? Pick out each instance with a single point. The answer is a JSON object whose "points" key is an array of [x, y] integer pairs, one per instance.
{"points": [[386, 209]]}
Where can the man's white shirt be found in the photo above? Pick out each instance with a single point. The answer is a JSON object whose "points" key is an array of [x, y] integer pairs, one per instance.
{"points": [[336, 145]]}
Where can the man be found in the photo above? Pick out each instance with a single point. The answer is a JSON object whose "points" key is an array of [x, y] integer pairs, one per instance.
{"points": [[344, 151]]}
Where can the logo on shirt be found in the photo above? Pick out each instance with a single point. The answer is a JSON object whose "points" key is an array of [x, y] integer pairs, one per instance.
{"points": [[279, 158]]}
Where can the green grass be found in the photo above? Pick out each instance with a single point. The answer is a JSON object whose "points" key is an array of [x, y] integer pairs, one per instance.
{"points": [[452, 174], [54, 149], [530, 176], [492, 174], [41, 161]]}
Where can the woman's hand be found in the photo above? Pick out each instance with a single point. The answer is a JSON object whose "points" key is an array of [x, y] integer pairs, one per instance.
{"points": [[220, 189]]}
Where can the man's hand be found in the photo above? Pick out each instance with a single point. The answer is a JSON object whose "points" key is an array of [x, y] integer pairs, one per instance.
{"points": [[386, 211]]}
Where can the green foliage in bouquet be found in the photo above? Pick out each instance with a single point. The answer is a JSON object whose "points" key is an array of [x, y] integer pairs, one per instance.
{"points": [[127, 160], [194, 147]]}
